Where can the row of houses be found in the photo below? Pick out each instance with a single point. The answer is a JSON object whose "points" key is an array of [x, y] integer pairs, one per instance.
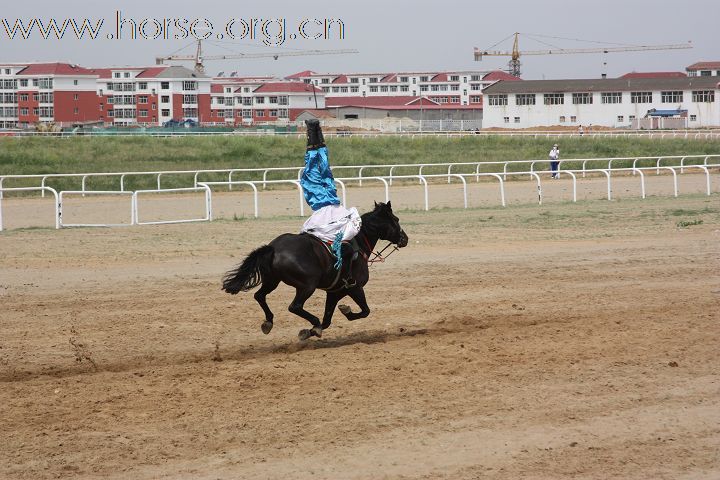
{"points": [[67, 95]]}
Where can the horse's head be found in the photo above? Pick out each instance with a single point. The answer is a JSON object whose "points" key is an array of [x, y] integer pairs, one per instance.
{"points": [[387, 225]]}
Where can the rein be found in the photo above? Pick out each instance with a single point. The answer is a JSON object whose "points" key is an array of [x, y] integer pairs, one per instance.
{"points": [[378, 255]]}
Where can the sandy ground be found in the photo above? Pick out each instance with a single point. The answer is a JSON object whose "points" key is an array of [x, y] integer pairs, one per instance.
{"points": [[563, 341]]}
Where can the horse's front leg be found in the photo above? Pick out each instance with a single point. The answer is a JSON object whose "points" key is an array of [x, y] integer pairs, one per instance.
{"points": [[297, 307], [358, 295], [331, 302]]}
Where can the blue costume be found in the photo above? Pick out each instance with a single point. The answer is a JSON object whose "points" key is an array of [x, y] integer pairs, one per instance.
{"points": [[317, 180]]}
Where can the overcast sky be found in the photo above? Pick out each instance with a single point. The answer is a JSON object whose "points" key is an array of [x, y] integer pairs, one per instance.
{"points": [[400, 35]]}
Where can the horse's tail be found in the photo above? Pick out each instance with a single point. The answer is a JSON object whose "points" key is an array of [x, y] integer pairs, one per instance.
{"points": [[250, 272]]}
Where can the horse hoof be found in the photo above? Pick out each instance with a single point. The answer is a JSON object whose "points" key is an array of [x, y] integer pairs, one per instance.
{"points": [[344, 309], [266, 327], [304, 334], [317, 331]]}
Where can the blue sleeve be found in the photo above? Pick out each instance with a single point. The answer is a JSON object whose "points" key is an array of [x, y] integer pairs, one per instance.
{"points": [[317, 180]]}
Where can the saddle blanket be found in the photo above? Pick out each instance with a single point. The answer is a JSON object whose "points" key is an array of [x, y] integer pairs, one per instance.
{"points": [[330, 220]]}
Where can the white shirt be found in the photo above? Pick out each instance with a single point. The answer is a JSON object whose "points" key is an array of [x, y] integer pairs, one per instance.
{"points": [[554, 153]]}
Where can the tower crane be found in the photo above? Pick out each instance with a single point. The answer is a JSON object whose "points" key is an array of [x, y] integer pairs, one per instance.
{"points": [[199, 58], [515, 54]]}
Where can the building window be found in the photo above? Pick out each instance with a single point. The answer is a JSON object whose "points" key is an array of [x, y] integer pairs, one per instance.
{"points": [[475, 99], [454, 78], [393, 88], [247, 113], [475, 78], [671, 97], [111, 113], [24, 111], [434, 88], [143, 113], [345, 89], [554, 99], [641, 97], [476, 87], [127, 74], [142, 86], [454, 99], [517, 119], [272, 99], [631, 118], [142, 99], [497, 100], [283, 113], [384, 89], [75, 82], [188, 85], [582, 98], [260, 113], [373, 89], [424, 78], [354, 80], [165, 85], [525, 99], [354, 89], [506, 119], [611, 97], [259, 100], [404, 88], [403, 79], [273, 113], [424, 88], [573, 119], [693, 118], [620, 118], [117, 75], [190, 112], [455, 88], [24, 97], [165, 112], [228, 113], [24, 82], [562, 118], [165, 99], [325, 80], [703, 96], [326, 89]]}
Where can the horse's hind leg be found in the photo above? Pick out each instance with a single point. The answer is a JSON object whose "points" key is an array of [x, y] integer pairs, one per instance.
{"points": [[357, 294], [296, 307], [268, 286]]}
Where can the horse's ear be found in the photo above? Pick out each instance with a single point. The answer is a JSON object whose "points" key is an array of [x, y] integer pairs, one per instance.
{"points": [[376, 204], [389, 205]]}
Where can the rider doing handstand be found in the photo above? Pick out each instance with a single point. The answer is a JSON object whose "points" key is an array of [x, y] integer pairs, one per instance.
{"points": [[330, 221]]}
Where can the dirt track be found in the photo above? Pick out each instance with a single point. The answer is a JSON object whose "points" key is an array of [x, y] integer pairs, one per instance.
{"points": [[568, 341]]}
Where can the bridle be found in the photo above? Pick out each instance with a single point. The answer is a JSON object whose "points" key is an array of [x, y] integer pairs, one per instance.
{"points": [[378, 256]]}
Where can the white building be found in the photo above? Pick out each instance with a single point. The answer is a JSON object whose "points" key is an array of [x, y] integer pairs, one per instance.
{"points": [[604, 102]]}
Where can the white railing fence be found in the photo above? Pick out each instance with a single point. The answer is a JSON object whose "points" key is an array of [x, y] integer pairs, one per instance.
{"points": [[424, 181], [359, 170]]}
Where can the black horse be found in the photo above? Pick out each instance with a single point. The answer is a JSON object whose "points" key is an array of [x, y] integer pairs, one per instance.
{"points": [[304, 262]]}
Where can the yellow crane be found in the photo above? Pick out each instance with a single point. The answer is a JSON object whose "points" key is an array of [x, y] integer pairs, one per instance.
{"points": [[515, 54], [199, 58]]}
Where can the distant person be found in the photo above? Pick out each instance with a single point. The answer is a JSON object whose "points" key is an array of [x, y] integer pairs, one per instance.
{"points": [[555, 161], [580, 130]]}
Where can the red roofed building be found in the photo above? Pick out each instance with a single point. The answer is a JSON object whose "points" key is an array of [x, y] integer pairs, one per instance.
{"points": [[704, 69], [68, 95], [457, 88], [654, 75]]}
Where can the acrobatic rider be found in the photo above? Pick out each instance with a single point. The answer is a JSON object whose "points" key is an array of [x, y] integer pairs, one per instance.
{"points": [[330, 221]]}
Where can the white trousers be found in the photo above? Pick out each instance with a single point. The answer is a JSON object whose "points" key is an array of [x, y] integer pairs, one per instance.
{"points": [[326, 222]]}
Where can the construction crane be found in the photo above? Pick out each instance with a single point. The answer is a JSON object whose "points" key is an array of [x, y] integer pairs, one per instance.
{"points": [[199, 58], [514, 64]]}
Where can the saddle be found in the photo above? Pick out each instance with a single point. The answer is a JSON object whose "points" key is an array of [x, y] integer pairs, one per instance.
{"points": [[329, 248]]}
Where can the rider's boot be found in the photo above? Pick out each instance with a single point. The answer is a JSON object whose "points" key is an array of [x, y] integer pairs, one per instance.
{"points": [[315, 137], [347, 261]]}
